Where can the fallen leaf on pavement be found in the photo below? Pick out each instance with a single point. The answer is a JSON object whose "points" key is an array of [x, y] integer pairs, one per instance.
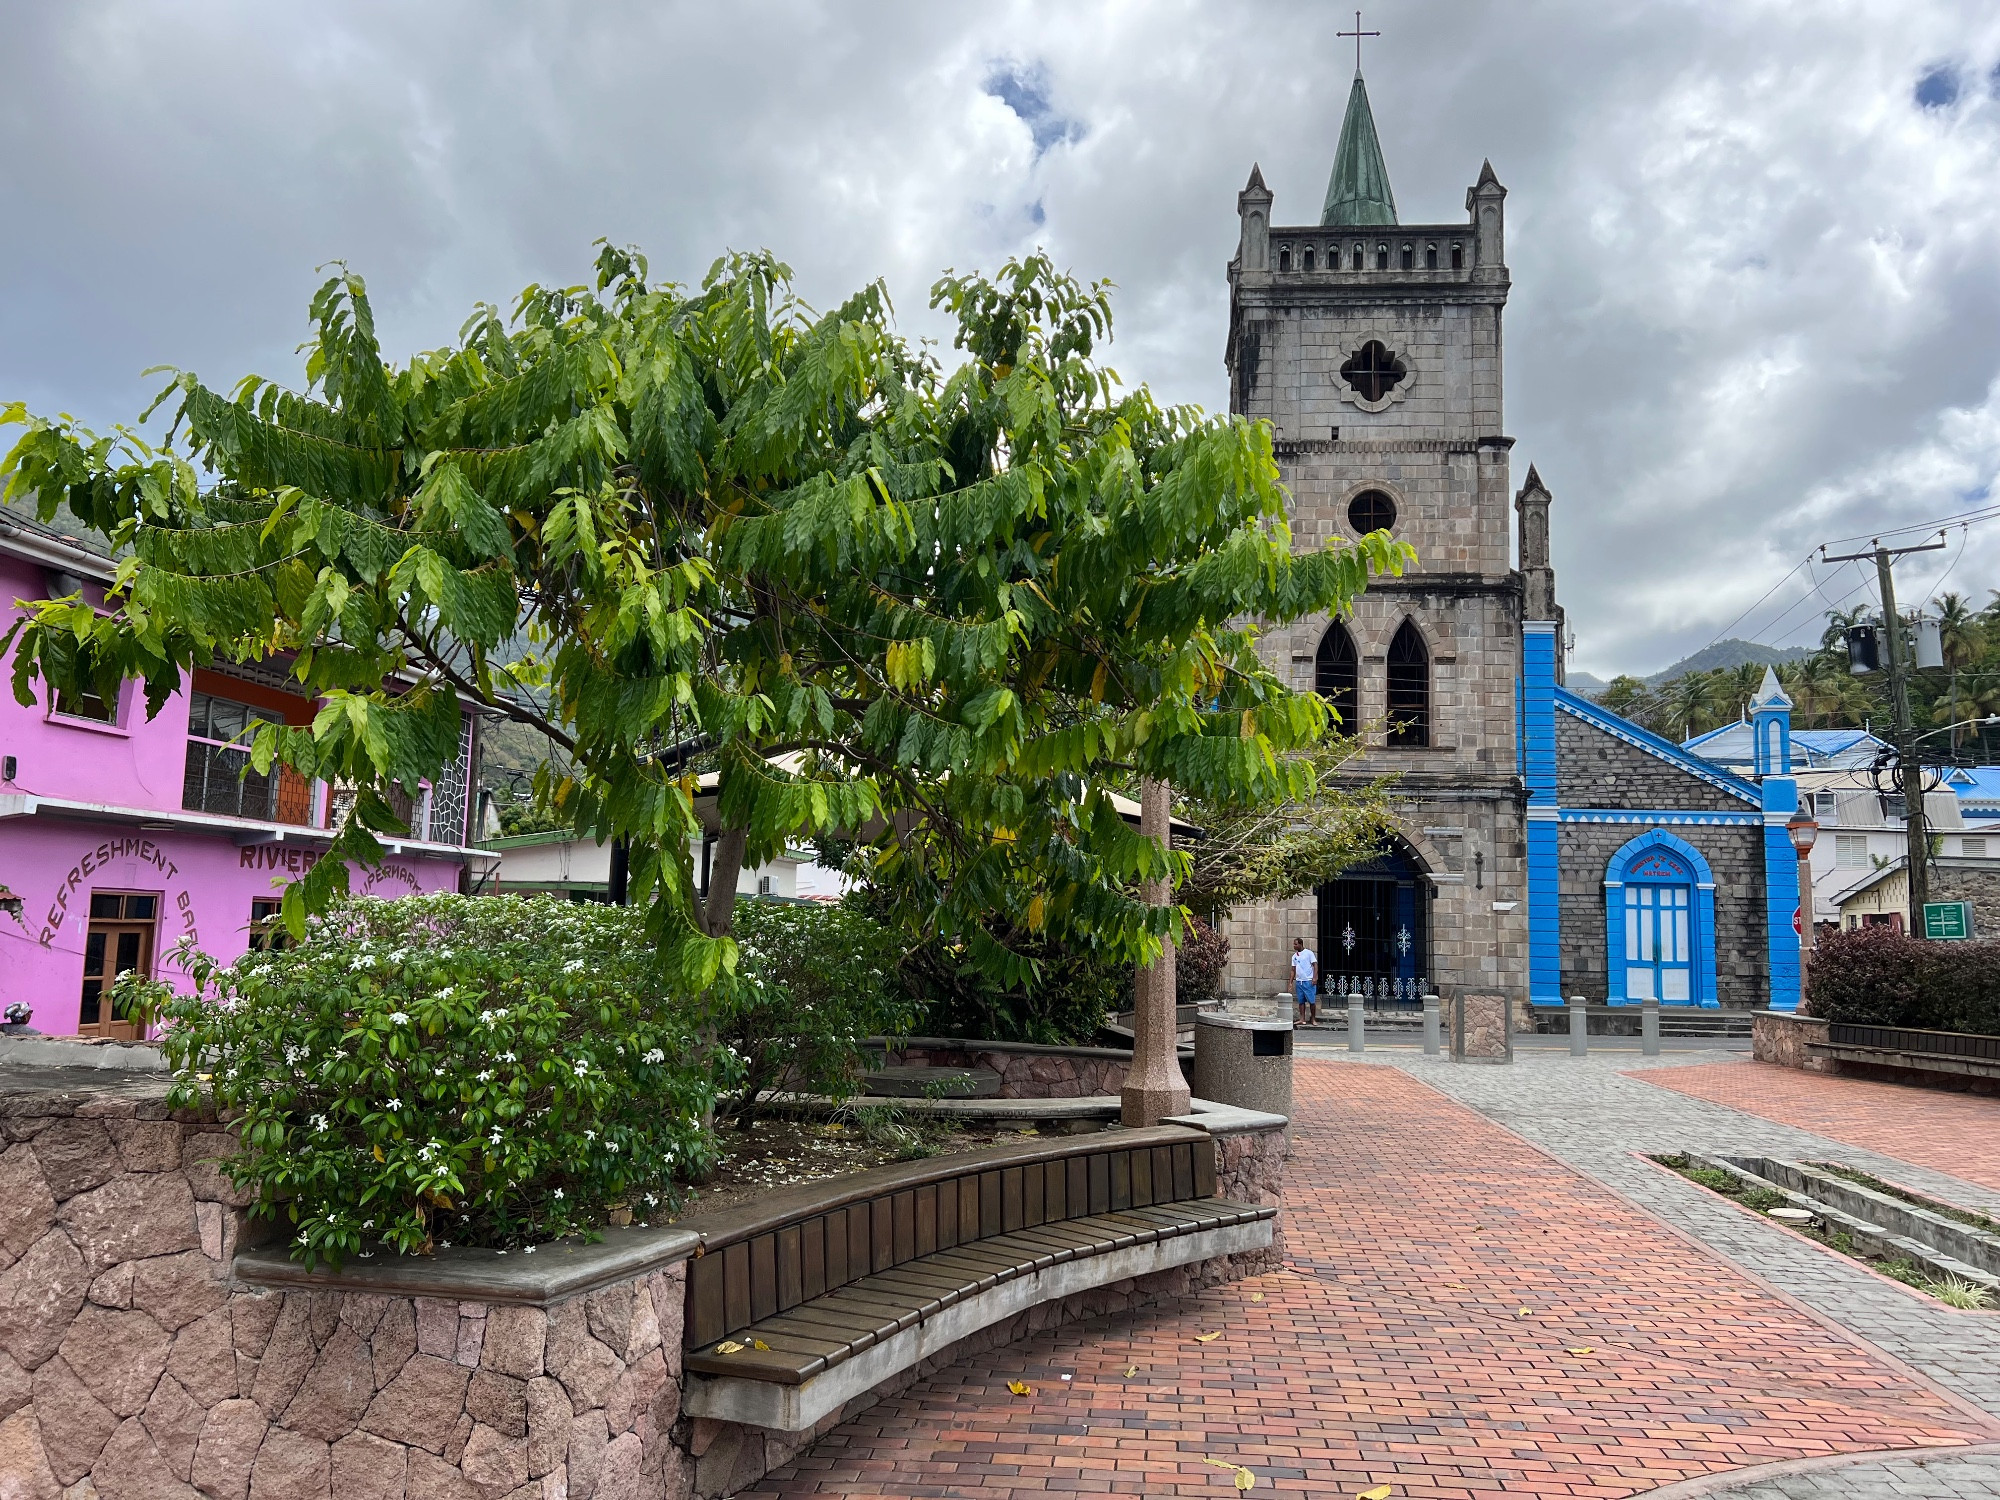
{"points": [[1380, 1492], [1244, 1478], [760, 1344], [1256, 1296], [1020, 1388], [1208, 1338], [1585, 1349], [729, 1346], [1521, 1312], [1130, 1371]]}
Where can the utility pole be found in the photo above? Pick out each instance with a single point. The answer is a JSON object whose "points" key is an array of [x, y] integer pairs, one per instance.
{"points": [[1909, 769]]}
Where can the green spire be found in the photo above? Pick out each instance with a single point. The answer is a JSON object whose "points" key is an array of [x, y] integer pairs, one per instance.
{"points": [[1358, 192]]}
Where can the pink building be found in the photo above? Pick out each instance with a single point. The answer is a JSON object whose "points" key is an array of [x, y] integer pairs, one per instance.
{"points": [[120, 834]]}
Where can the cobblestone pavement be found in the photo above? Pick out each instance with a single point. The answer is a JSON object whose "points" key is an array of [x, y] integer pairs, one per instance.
{"points": [[1938, 1476], [1462, 1316], [1955, 1133]]}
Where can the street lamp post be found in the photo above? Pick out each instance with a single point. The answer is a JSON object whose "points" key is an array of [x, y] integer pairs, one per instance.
{"points": [[1804, 831]]}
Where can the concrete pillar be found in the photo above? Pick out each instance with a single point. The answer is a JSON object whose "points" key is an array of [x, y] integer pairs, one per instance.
{"points": [[1154, 1088], [1356, 1040], [1433, 1016], [1649, 1028], [1579, 1026]]}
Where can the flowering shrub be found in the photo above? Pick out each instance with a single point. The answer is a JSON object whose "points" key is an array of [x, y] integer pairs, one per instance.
{"points": [[446, 1069], [813, 980]]}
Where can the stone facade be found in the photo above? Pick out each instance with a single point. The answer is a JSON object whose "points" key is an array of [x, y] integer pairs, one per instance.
{"points": [[1026, 1071], [135, 1365], [1596, 769], [1434, 446]]}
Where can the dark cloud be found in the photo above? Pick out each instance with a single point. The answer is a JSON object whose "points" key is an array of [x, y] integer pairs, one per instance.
{"points": [[1756, 273]]}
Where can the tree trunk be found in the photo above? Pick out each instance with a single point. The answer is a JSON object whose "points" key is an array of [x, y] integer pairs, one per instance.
{"points": [[1154, 1089], [718, 909]]}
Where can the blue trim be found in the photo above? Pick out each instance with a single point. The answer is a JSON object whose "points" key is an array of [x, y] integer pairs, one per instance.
{"points": [[1538, 771], [1660, 749], [1781, 875], [1701, 977], [1632, 815]]}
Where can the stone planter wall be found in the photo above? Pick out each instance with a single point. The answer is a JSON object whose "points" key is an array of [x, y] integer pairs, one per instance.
{"points": [[1027, 1071], [1780, 1037], [140, 1360]]}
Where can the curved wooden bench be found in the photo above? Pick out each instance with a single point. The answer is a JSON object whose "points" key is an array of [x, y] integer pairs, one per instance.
{"points": [[817, 1294]]}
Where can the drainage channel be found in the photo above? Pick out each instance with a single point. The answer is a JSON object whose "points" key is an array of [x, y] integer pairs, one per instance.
{"points": [[1939, 1252]]}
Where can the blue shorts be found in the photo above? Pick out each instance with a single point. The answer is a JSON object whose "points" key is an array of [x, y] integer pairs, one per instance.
{"points": [[1305, 992]]}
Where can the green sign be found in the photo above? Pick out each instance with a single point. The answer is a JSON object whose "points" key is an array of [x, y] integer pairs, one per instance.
{"points": [[1947, 921]]}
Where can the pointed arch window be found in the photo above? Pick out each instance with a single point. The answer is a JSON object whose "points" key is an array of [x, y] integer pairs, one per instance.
{"points": [[1409, 689], [1337, 675]]}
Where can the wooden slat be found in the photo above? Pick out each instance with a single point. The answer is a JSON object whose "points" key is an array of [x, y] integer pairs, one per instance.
{"points": [[1163, 1174], [902, 1228], [860, 1239], [791, 1336], [736, 1288], [989, 1204], [1098, 1198], [860, 1332], [707, 1317], [1055, 1192], [968, 1210], [838, 1272], [1204, 1168], [947, 1213], [1073, 1234], [763, 1276], [1034, 1196], [791, 1268], [981, 1268], [1079, 1186], [1183, 1172], [1128, 1228], [1010, 1199], [776, 1366], [812, 1258], [894, 1312], [927, 1219], [1121, 1180], [1048, 1249], [1142, 1178]]}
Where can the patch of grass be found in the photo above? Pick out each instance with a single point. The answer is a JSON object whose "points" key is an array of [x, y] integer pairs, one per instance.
{"points": [[1956, 1291], [1950, 1211], [905, 1136]]}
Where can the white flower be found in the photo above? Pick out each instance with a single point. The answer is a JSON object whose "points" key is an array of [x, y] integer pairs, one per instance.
{"points": [[319, 1122], [506, 1057], [590, 1135], [485, 1075], [612, 1147], [558, 1192], [582, 1067], [653, 1056], [486, 1018], [495, 1138], [527, 1249], [574, 966], [399, 1017], [395, 1104]]}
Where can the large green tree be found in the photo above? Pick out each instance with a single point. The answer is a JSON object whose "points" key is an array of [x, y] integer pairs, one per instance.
{"points": [[944, 608]]}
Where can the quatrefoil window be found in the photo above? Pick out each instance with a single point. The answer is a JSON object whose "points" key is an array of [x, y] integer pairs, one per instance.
{"points": [[1373, 371]]}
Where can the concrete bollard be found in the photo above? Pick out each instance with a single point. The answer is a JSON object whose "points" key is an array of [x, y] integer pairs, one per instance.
{"points": [[1433, 1027], [1649, 1028], [1579, 1026], [1356, 1042]]}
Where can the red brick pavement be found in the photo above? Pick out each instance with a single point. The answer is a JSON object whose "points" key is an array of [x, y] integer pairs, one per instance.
{"points": [[1393, 1350], [1947, 1132]]}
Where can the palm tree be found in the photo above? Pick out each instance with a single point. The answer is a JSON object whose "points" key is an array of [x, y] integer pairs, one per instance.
{"points": [[1960, 630]]}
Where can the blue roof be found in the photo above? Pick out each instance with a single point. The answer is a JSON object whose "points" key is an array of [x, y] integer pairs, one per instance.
{"points": [[1976, 785], [1812, 749]]}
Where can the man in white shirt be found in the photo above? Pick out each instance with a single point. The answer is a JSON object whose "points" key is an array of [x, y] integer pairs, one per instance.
{"points": [[1305, 982]]}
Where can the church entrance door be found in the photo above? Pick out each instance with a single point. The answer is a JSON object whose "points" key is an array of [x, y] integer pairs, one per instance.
{"points": [[1374, 932]]}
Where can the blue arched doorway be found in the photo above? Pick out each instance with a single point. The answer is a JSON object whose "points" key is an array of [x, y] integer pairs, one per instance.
{"points": [[1659, 927], [1374, 929]]}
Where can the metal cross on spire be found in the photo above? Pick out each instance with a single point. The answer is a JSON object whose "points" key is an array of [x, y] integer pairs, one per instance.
{"points": [[1357, 33]]}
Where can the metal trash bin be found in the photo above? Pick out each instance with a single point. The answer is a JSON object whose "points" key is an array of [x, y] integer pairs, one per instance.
{"points": [[1244, 1063]]}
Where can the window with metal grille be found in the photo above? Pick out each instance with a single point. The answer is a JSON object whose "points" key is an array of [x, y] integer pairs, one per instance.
{"points": [[1409, 689], [219, 777], [1373, 371], [1371, 510], [1337, 675]]}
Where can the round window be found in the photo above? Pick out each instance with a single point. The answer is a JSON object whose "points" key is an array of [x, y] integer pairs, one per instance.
{"points": [[1371, 510]]}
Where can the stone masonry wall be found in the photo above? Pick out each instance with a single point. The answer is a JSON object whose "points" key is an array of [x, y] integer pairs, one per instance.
{"points": [[1029, 1075], [1734, 854], [1595, 769]]}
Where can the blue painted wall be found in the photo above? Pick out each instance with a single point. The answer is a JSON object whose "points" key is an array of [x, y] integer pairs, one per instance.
{"points": [[1538, 770]]}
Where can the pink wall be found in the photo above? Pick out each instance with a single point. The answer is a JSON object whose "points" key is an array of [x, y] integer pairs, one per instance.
{"points": [[139, 764], [205, 886]]}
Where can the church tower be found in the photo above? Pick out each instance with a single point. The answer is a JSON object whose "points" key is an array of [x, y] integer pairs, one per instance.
{"points": [[1372, 347]]}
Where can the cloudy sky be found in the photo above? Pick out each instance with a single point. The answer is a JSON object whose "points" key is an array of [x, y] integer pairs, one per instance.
{"points": [[1755, 244]]}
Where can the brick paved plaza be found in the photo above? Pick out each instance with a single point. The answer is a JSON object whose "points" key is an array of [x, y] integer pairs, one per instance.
{"points": [[1453, 1234]]}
